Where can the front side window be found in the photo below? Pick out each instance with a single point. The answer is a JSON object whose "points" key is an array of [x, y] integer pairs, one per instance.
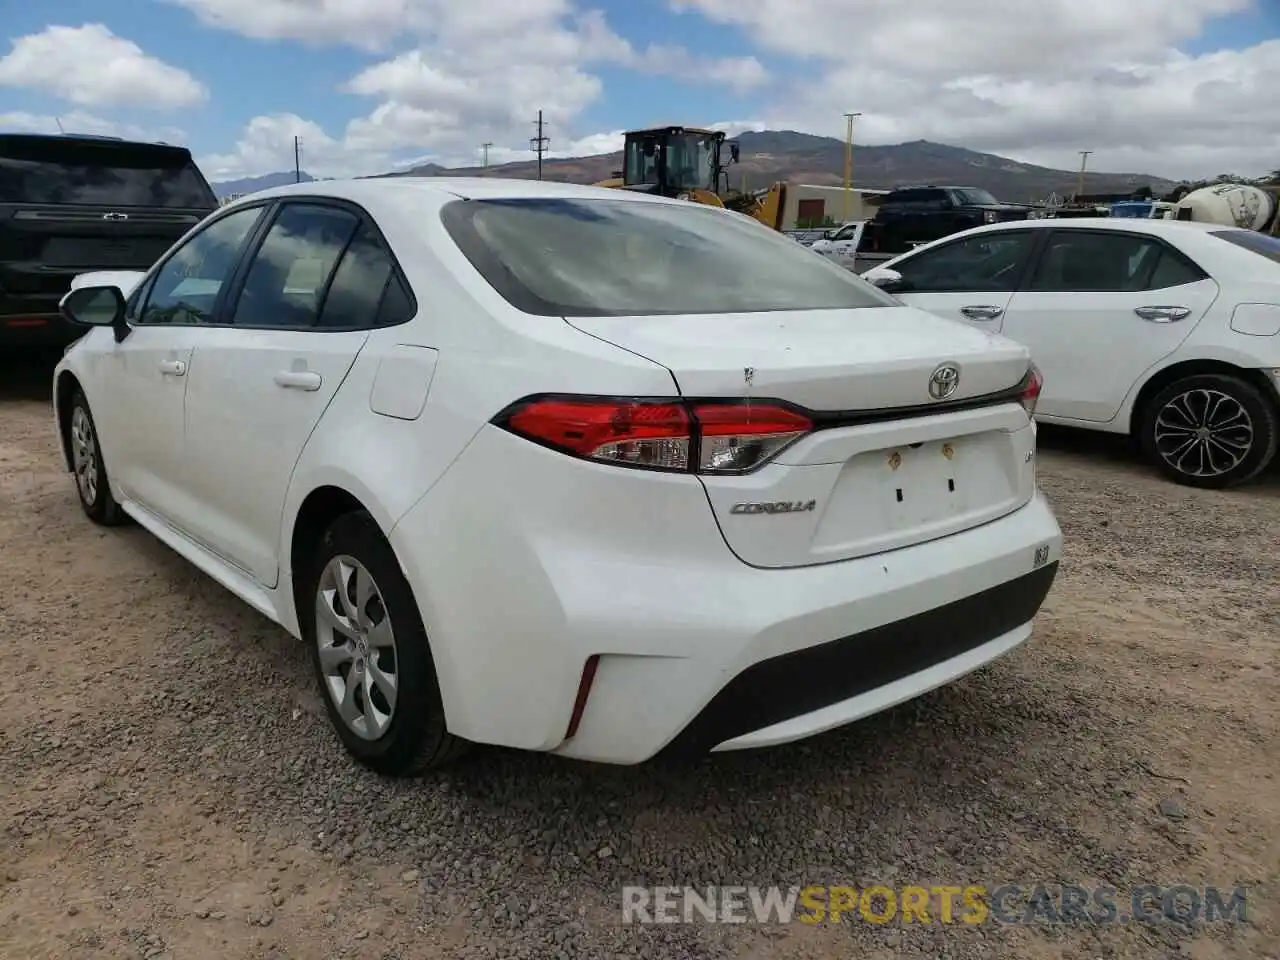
{"points": [[987, 262], [288, 274], [185, 289], [570, 257], [690, 162], [1077, 261]]}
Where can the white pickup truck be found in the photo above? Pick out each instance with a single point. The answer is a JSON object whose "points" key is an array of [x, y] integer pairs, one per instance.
{"points": [[852, 245]]}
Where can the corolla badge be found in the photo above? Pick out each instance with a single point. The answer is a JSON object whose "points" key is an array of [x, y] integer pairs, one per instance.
{"points": [[777, 506], [944, 381]]}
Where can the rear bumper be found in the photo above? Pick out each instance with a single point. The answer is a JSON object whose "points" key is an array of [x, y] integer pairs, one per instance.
{"points": [[38, 331], [521, 583], [805, 692]]}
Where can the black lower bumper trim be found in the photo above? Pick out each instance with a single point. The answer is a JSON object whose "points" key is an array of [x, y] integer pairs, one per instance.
{"points": [[794, 684]]}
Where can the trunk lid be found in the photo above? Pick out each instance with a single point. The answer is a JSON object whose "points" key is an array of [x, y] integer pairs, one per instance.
{"points": [[889, 466]]}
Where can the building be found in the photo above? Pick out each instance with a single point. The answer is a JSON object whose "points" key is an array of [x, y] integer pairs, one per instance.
{"points": [[824, 205]]}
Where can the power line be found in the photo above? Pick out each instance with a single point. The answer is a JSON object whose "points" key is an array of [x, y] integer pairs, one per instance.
{"points": [[485, 147], [539, 143], [297, 159]]}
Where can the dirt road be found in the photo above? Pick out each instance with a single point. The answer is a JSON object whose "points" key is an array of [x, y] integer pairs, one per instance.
{"points": [[169, 786]]}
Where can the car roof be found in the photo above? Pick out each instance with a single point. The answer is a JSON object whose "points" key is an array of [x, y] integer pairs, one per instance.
{"points": [[1158, 227], [467, 188]]}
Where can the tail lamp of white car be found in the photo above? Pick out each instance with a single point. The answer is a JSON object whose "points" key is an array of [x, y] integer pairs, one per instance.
{"points": [[677, 436], [673, 435]]}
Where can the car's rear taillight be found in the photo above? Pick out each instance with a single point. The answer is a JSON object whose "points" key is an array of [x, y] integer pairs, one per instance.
{"points": [[1031, 390], [703, 437]]}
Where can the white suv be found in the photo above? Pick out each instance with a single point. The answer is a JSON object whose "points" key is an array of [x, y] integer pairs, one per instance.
{"points": [[564, 468]]}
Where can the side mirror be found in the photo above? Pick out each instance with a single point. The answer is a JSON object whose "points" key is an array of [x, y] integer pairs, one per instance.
{"points": [[886, 279], [96, 307], [735, 152]]}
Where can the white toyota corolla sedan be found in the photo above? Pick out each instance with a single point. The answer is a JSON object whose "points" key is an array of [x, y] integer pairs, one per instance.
{"points": [[564, 468]]}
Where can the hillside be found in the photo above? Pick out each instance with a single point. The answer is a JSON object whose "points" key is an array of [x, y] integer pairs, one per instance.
{"points": [[800, 157], [251, 184]]}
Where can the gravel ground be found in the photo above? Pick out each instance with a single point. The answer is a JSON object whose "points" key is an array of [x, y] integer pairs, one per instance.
{"points": [[169, 786]]}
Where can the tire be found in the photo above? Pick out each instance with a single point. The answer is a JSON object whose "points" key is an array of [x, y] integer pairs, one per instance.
{"points": [[401, 737], [1246, 434], [92, 485]]}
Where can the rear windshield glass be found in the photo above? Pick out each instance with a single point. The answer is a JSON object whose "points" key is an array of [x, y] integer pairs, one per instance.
{"points": [[112, 177], [588, 258], [1259, 243]]}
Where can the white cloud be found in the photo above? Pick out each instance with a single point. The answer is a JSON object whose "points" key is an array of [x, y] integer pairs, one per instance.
{"points": [[476, 71], [91, 66], [78, 121], [1036, 80]]}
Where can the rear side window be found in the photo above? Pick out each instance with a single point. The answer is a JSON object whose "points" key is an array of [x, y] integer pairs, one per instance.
{"points": [[587, 258], [287, 276], [358, 283], [1259, 243], [915, 196], [56, 172]]}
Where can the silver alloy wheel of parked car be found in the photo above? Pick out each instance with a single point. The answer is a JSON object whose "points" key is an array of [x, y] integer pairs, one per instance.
{"points": [[84, 456], [357, 647], [1203, 432]]}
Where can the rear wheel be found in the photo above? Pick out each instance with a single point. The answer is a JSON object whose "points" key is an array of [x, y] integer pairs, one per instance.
{"points": [[90, 471], [371, 656], [1210, 430]]}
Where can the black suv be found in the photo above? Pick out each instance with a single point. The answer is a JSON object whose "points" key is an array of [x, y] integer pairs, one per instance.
{"points": [[912, 215], [73, 204]]}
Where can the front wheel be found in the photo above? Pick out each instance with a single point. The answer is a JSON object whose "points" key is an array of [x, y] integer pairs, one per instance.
{"points": [[1210, 430], [371, 656], [90, 471]]}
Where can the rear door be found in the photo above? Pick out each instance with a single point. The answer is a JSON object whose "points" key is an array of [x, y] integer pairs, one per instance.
{"points": [[971, 278], [1099, 309], [306, 301], [70, 205]]}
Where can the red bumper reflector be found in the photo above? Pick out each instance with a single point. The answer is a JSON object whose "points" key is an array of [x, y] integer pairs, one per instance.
{"points": [[27, 322], [584, 691]]}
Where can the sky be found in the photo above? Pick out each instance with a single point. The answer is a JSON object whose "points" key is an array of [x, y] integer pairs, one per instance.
{"points": [[1176, 88]]}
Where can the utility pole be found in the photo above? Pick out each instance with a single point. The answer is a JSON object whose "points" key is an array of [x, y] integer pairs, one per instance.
{"points": [[297, 159], [539, 143], [848, 166], [1084, 159], [485, 147]]}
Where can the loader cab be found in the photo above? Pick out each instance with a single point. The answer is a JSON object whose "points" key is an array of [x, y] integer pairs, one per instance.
{"points": [[673, 160]]}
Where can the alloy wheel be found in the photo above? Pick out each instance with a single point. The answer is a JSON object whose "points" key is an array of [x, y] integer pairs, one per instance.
{"points": [[84, 455], [1203, 432], [357, 647]]}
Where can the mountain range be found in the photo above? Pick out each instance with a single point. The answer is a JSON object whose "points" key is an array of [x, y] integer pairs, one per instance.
{"points": [[772, 155]]}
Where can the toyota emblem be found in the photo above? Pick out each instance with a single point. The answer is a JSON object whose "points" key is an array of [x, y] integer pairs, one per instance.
{"points": [[944, 381]]}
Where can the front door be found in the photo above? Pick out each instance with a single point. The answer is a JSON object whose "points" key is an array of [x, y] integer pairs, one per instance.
{"points": [[970, 279], [1099, 309], [147, 373]]}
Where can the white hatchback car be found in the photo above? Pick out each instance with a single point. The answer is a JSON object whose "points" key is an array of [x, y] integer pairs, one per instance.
{"points": [[564, 468], [1165, 330]]}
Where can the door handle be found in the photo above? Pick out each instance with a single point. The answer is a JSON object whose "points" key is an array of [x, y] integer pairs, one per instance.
{"points": [[982, 312], [1163, 314], [299, 380], [173, 368]]}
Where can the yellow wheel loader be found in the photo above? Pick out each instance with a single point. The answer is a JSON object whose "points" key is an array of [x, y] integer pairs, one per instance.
{"points": [[691, 164]]}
